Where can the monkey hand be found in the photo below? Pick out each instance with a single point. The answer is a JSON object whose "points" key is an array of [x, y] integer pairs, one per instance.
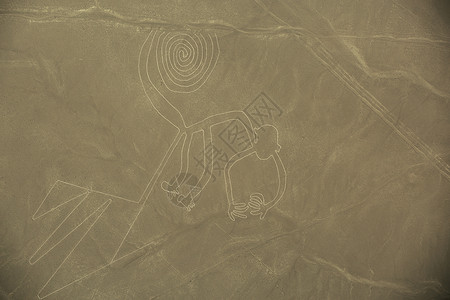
{"points": [[237, 210], [258, 206]]}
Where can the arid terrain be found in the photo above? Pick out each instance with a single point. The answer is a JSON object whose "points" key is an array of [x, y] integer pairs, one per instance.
{"points": [[205, 149]]}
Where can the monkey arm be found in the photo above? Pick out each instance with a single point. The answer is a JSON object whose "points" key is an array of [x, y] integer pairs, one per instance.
{"points": [[281, 170], [234, 159], [259, 207]]}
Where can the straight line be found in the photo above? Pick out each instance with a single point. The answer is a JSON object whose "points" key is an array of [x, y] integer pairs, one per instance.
{"points": [[316, 46]]}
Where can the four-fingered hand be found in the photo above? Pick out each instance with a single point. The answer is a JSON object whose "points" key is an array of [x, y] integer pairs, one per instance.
{"points": [[258, 205], [237, 210]]}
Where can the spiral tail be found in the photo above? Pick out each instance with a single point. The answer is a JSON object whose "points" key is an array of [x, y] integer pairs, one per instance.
{"points": [[185, 60]]}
